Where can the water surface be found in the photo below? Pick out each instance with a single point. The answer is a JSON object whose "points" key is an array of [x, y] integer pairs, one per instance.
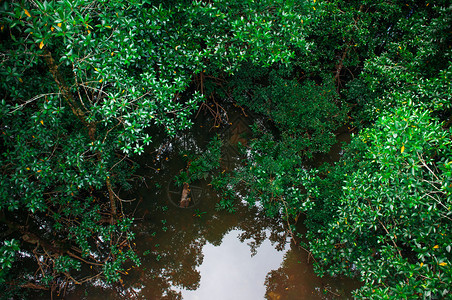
{"points": [[201, 253]]}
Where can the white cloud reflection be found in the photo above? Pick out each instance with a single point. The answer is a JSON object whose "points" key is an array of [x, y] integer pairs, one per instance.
{"points": [[229, 272]]}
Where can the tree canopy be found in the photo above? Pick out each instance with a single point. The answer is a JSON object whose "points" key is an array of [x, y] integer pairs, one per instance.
{"points": [[84, 83]]}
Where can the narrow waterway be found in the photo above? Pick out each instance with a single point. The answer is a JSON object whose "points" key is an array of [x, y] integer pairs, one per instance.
{"points": [[202, 253]]}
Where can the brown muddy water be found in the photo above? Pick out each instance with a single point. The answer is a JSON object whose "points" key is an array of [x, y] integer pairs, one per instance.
{"points": [[201, 253]]}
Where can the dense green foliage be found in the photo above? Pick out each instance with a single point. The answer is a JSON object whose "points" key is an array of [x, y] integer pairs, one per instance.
{"points": [[83, 82], [393, 216], [201, 163], [383, 212]]}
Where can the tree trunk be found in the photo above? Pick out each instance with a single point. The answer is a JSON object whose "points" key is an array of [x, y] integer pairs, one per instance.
{"points": [[112, 200], [184, 199], [64, 90], [79, 113], [340, 65]]}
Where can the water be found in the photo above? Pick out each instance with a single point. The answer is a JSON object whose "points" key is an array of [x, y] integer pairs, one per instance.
{"points": [[229, 271], [201, 253]]}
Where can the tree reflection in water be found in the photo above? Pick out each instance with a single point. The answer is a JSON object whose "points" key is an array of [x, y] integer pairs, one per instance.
{"points": [[173, 263], [170, 239], [295, 279]]}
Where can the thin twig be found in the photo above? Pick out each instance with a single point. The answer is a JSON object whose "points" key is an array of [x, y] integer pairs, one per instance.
{"points": [[31, 100], [390, 236], [292, 235]]}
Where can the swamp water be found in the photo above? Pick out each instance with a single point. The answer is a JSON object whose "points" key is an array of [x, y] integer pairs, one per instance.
{"points": [[201, 253]]}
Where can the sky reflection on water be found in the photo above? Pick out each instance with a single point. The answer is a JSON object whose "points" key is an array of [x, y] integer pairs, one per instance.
{"points": [[230, 271]]}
